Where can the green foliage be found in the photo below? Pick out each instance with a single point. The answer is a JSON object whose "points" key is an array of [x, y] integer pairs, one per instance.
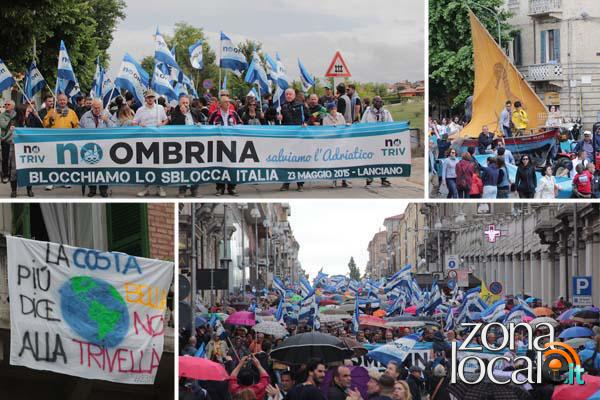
{"points": [[354, 271], [86, 28], [451, 49]]}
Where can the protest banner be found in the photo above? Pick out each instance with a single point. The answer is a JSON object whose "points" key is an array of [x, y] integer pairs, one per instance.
{"points": [[182, 155], [87, 313]]}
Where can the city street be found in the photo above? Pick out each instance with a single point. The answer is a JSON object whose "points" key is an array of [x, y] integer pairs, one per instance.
{"points": [[408, 188]]}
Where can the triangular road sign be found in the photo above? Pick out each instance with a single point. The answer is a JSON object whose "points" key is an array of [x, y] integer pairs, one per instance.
{"points": [[338, 67]]}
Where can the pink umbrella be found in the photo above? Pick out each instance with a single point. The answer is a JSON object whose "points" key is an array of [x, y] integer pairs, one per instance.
{"points": [[410, 310], [201, 368], [527, 319], [244, 318]]}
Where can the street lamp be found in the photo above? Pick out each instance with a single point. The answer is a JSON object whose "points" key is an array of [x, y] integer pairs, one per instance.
{"points": [[438, 228], [267, 225], [255, 214]]}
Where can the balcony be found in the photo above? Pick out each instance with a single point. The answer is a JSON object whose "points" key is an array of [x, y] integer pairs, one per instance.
{"points": [[543, 72], [545, 8]]}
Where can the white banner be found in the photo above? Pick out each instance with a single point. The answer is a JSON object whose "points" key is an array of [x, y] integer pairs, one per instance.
{"points": [[87, 313]]}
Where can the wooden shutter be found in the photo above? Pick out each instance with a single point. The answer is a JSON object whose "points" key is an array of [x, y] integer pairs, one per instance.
{"points": [[556, 45], [543, 59], [128, 228]]}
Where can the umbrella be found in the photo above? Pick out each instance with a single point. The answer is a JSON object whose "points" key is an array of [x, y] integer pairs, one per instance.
{"points": [[540, 320], [359, 378], [412, 310], [586, 316], [245, 318], [566, 315], [220, 316], [333, 317], [201, 368], [300, 348], [576, 332], [576, 343], [464, 391], [346, 307], [199, 321], [531, 300], [369, 320], [329, 310], [352, 344], [379, 313], [578, 392], [271, 328], [543, 312]]}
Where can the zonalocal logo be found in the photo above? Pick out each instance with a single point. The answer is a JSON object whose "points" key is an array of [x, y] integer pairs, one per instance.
{"points": [[554, 359]]}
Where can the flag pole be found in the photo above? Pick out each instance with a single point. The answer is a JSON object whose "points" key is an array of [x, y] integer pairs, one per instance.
{"points": [[28, 101], [110, 97], [220, 55], [259, 98], [51, 91]]}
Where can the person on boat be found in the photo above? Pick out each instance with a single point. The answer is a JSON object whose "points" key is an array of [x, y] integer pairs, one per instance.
{"points": [[520, 119], [554, 119], [506, 119], [526, 180], [486, 140]]}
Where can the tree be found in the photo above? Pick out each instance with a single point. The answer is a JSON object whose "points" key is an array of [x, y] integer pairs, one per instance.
{"points": [[86, 28], [354, 271], [451, 49]]}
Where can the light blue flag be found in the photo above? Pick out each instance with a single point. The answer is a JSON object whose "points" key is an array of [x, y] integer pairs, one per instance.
{"points": [[279, 286], [161, 85], [494, 313], [305, 286], [307, 80], [396, 351], [196, 55], [224, 84], [162, 53], [253, 93], [282, 79], [34, 81], [201, 351], [354, 286], [6, 78], [256, 73], [96, 90], [355, 317], [107, 91], [132, 78], [232, 57], [173, 52], [401, 277], [66, 82], [435, 299], [449, 323], [319, 278], [279, 315]]}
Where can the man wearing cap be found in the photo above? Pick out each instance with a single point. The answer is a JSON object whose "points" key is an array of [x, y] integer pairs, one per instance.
{"points": [[377, 113], [328, 96], [150, 114], [416, 383], [586, 145]]}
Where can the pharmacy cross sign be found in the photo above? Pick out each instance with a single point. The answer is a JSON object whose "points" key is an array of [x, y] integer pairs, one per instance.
{"points": [[492, 233]]}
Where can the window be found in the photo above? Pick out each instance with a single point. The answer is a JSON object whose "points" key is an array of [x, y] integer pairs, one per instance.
{"points": [[517, 53], [550, 46], [127, 226]]}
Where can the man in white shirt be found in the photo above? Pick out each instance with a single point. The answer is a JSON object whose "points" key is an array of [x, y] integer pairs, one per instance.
{"points": [[150, 114]]}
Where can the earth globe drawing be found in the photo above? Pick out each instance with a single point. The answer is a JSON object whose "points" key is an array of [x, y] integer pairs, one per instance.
{"points": [[94, 310]]}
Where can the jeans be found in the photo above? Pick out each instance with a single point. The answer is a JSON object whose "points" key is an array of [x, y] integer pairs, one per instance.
{"points": [[452, 190], [464, 193], [503, 192], [507, 131], [490, 192]]}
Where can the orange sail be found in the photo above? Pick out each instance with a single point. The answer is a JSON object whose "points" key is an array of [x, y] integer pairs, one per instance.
{"points": [[496, 81]]}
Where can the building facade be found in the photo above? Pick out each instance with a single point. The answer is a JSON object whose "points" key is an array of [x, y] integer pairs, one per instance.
{"points": [[557, 51], [533, 249], [377, 265]]}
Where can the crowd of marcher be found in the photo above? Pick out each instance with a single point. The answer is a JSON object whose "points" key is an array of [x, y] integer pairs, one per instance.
{"points": [[345, 107], [255, 375], [464, 176]]}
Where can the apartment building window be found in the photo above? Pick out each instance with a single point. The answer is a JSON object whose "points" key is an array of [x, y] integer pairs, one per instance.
{"points": [[550, 46], [517, 52]]}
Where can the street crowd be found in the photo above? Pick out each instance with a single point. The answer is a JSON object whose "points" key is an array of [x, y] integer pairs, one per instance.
{"points": [[573, 157], [345, 107], [254, 368]]}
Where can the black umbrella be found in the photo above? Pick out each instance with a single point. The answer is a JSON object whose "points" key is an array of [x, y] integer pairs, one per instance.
{"points": [[300, 348], [586, 316]]}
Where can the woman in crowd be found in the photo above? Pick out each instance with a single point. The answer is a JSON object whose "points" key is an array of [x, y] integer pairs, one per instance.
{"points": [[547, 187], [125, 116], [526, 181], [449, 174], [503, 179], [464, 176]]}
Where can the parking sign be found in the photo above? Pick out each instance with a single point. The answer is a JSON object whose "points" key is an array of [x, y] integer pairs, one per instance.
{"points": [[582, 290]]}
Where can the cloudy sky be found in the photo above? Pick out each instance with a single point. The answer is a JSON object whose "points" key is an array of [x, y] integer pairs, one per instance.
{"points": [[380, 40], [329, 232]]}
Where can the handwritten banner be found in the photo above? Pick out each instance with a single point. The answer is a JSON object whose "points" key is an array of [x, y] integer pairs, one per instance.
{"points": [[87, 313], [182, 155]]}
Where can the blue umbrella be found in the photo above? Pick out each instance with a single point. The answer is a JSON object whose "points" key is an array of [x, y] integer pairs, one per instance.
{"points": [[575, 332], [199, 321], [595, 396], [531, 300]]}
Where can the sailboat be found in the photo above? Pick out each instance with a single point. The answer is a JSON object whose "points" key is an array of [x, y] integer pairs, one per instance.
{"points": [[496, 81]]}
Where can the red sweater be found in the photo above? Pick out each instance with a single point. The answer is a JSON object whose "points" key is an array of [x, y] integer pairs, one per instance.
{"points": [[259, 389]]}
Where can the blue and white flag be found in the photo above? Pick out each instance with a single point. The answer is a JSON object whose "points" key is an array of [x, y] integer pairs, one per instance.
{"points": [[354, 286], [319, 278], [400, 277], [256, 73], [196, 55], [280, 313], [435, 299], [132, 78], [162, 54], [307, 306], [307, 80], [96, 90], [224, 84], [494, 313], [201, 351], [355, 317], [371, 286], [282, 79], [279, 286], [316, 318], [6, 78], [517, 313], [399, 305], [66, 82], [273, 75], [232, 57], [305, 287], [526, 307], [161, 84], [107, 91], [449, 323], [396, 351], [253, 93], [34, 81]]}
